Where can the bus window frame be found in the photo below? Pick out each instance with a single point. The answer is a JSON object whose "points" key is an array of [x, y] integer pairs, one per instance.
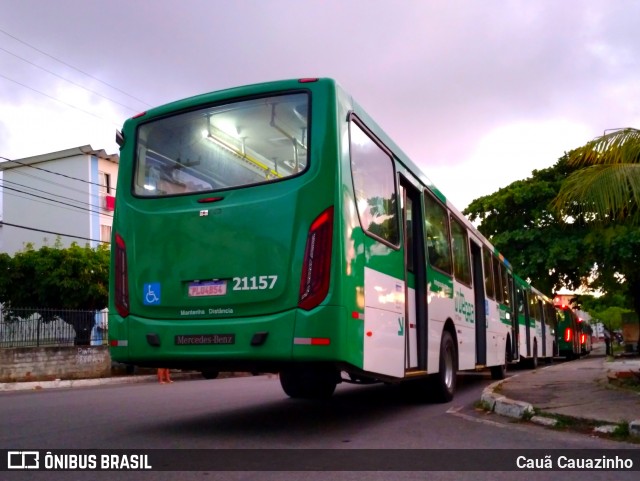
{"points": [[506, 291], [488, 257], [352, 117], [497, 278], [219, 103], [453, 219], [446, 216]]}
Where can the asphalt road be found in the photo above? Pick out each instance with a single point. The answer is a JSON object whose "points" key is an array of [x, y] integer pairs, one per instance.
{"points": [[254, 413]]}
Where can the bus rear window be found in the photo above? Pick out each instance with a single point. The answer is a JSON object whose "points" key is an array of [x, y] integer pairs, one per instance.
{"points": [[225, 146]]}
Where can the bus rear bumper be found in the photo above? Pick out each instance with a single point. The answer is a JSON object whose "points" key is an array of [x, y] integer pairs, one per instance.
{"points": [[264, 343]]}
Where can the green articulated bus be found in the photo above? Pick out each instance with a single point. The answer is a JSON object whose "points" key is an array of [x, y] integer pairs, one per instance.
{"points": [[569, 333], [277, 228], [586, 337], [537, 324]]}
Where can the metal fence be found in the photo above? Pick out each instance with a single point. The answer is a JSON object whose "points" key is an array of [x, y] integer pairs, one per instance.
{"points": [[32, 327]]}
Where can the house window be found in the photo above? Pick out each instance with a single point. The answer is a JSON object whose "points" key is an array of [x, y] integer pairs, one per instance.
{"points": [[105, 233], [104, 180]]}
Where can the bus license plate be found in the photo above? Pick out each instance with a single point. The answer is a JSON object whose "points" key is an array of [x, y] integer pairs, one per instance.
{"points": [[207, 288]]}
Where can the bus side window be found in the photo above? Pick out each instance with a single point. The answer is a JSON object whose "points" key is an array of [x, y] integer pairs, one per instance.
{"points": [[374, 186], [505, 284], [460, 248], [533, 308], [496, 278], [520, 300], [437, 227], [488, 272]]}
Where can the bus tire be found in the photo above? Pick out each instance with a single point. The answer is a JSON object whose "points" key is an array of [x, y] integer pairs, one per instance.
{"points": [[500, 372], [444, 382], [209, 374], [306, 382]]}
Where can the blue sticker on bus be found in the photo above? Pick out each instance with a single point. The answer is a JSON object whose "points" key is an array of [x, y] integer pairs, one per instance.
{"points": [[151, 294]]}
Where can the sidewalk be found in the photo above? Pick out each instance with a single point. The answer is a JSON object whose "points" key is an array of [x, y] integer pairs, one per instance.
{"points": [[67, 383], [577, 389]]}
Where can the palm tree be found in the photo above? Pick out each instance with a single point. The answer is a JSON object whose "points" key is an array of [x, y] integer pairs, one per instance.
{"points": [[606, 184], [605, 187]]}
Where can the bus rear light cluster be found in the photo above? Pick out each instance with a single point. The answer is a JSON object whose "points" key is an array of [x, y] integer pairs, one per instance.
{"points": [[583, 338], [316, 267], [121, 277], [568, 334]]}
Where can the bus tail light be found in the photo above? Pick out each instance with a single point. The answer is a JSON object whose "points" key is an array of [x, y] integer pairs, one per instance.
{"points": [[568, 334], [583, 338], [316, 267], [122, 277]]}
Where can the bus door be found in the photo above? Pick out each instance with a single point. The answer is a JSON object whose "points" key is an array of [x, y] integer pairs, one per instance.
{"points": [[479, 299], [543, 322], [415, 279], [515, 320], [522, 321]]}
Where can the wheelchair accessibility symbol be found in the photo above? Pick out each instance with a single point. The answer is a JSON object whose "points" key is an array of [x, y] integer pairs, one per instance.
{"points": [[151, 294]]}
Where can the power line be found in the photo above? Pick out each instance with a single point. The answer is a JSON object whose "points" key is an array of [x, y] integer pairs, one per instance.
{"points": [[70, 81], [75, 199], [53, 182], [50, 193], [53, 200], [47, 203], [51, 232], [74, 68], [54, 173]]}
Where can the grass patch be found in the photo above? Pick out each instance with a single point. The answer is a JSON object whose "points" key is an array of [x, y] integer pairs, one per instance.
{"points": [[622, 430], [584, 426], [627, 383], [573, 424], [482, 406]]}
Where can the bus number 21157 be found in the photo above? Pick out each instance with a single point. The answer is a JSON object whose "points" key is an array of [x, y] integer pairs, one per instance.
{"points": [[254, 283]]}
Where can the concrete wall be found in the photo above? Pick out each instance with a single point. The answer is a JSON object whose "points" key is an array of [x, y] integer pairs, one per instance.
{"points": [[49, 363]]}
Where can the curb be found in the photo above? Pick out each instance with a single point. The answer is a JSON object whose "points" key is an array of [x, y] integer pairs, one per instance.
{"points": [[69, 383], [503, 406]]}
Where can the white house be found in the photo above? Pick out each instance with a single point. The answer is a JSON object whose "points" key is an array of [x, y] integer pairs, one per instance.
{"points": [[68, 195]]}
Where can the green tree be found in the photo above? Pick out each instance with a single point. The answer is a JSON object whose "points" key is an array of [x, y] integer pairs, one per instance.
{"points": [[521, 224], [606, 184], [553, 250], [606, 189], [605, 309], [61, 283], [54, 278]]}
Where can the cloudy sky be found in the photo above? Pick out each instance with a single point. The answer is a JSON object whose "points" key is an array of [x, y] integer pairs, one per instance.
{"points": [[478, 92]]}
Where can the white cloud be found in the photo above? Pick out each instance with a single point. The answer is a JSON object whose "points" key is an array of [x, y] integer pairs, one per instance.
{"points": [[504, 155]]}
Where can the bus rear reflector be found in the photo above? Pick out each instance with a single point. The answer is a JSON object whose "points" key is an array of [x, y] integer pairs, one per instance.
{"points": [[316, 266], [122, 277], [568, 334], [312, 341]]}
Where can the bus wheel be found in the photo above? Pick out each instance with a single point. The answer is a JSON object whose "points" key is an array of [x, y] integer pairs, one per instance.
{"points": [[444, 382], [208, 374], [309, 382], [500, 372]]}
